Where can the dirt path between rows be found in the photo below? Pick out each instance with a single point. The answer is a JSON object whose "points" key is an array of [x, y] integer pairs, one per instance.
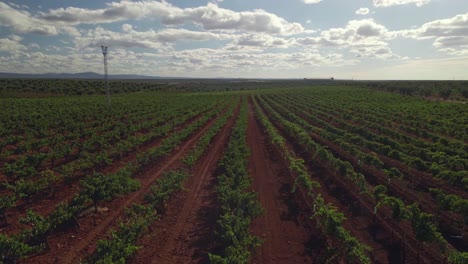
{"points": [[347, 193], [66, 190], [76, 244], [185, 233], [283, 228]]}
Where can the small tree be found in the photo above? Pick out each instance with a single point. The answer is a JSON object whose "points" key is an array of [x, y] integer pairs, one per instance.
{"points": [[424, 227], [40, 228], [97, 187], [25, 189], [6, 201], [12, 249], [445, 93], [48, 181]]}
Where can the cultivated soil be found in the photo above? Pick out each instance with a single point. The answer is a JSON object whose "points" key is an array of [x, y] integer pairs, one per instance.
{"points": [[284, 228], [71, 246], [185, 232]]}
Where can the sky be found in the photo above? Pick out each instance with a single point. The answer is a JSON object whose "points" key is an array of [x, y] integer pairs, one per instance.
{"points": [[344, 39]]}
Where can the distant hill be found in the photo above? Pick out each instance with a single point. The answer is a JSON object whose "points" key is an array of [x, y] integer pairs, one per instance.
{"points": [[81, 75]]}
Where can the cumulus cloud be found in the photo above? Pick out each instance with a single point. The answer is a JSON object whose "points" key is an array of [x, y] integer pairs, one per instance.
{"points": [[263, 40], [23, 22], [209, 17], [11, 44], [375, 52], [127, 27], [365, 38], [143, 39], [241, 61], [359, 32], [311, 1], [388, 3], [455, 26], [362, 11], [316, 41], [451, 34]]}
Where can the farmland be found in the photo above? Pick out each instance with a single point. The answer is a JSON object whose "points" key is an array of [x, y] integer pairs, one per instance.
{"points": [[245, 173]]}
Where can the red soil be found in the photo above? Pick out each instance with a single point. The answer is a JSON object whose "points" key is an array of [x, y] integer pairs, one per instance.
{"points": [[185, 232], [72, 245], [396, 236], [284, 228], [44, 205]]}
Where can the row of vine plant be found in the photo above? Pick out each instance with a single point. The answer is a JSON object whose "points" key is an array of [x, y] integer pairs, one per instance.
{"points": [[238, 205], [327, 217], [94, 189], [422, 223], [26, 189], [121, 245]]}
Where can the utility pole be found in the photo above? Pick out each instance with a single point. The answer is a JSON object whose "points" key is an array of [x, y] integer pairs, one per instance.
{"points": [[104, 53]]}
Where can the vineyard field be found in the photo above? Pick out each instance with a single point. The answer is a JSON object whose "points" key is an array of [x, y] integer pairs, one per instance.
{"points": [[265, 173]]}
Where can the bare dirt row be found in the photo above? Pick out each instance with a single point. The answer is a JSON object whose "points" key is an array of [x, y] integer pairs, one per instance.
{"points": [[391, 242], [44, 203], [71, 246], [184, 233], [287, 233]]}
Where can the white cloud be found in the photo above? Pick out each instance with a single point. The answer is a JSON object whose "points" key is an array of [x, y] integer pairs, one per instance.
{"points": [[359, 32], [230, 63], [316, 41], [455, 26], [377, 52], [311, 1], [263, 40], [388, 3], [22, 21], [425, 69], [143, 39], [15, 37], [362, 11], [365, 38], [451, 34], [209, 17], [127, 27], [34, 46], [11, 44]]}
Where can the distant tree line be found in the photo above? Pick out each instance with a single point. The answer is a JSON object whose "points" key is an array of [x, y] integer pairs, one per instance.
{"points": [[47, 87], [453, 90]]}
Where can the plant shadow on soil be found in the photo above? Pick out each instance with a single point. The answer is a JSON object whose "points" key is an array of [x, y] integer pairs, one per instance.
{"points": [[206, 216], [315, 246], [288, 199]]}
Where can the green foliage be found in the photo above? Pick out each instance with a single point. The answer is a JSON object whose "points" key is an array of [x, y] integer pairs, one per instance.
{"points": [[120, 246], [328, 219], [49, 180], [6, 202], [451, 202], [164, 187], [101, 187], [197, 151], [25, 189], [379, 192], [456, 257], [12, 249], [40, 228], [423, 225], [60, 87], [238, 205]]}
